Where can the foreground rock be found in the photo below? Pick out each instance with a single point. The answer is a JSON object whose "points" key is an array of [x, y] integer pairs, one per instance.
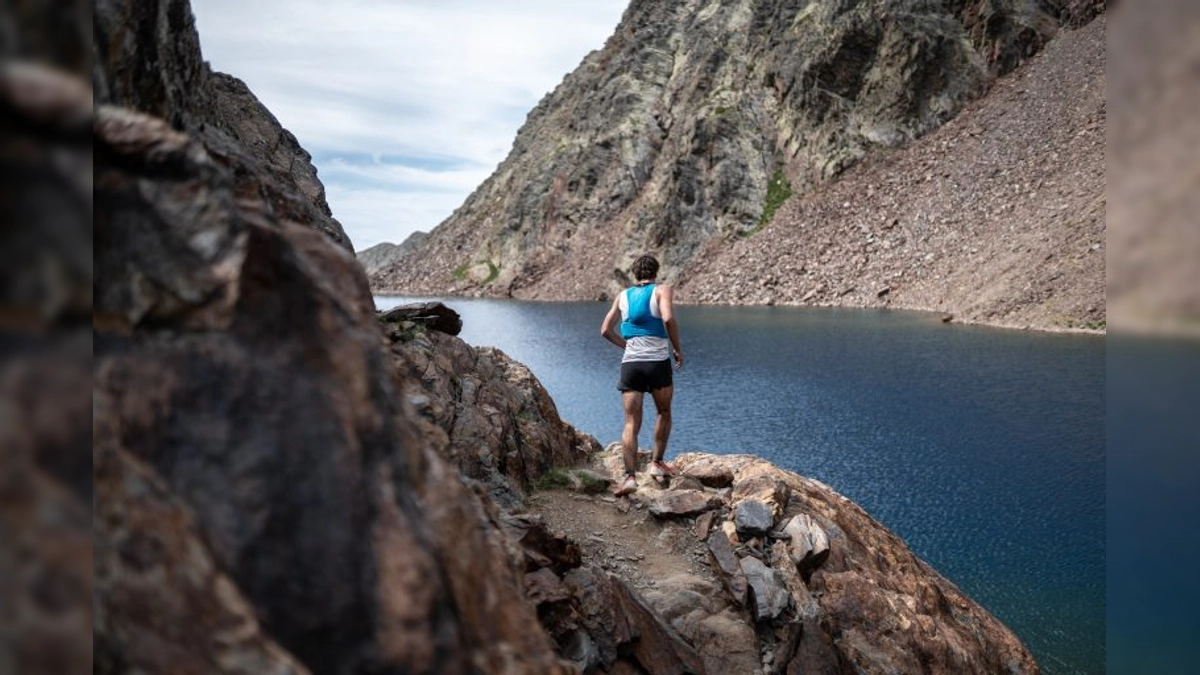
{"points": [[247, 415]]}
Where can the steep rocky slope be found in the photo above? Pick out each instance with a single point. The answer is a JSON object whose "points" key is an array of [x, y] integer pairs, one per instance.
{"points": [[670, 137], [996, 217], [381, 256]]}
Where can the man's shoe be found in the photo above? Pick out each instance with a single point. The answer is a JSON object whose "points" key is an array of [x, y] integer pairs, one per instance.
{"points": [[628, 486], [661, 468]]}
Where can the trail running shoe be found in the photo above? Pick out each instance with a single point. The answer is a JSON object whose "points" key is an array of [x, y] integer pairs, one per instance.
{"points": [[628, 486], [660, 468]]}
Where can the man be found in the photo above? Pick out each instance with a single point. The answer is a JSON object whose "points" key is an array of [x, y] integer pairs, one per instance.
{"points": [[650, 337]]}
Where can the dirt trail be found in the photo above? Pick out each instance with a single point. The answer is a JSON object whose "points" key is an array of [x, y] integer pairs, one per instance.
{"points": [[620, 535]]}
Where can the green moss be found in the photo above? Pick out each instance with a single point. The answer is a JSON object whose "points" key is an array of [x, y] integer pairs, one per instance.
{"points": [[778, 191], [493, 272], [461, 272], [589, 484], [554, 479]]}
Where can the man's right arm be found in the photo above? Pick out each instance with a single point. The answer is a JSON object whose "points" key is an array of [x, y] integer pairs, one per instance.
{"points": [[608, 327]]}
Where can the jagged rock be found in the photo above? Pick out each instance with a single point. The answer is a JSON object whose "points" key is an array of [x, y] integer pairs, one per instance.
{"points": [[806, 606], [502, 426], [809, 543], [543, 585], [710, 474], [727, 568], [752, 518], [624, 628], [433, 315], [769, 596], [695, 607], [682, 503], [704, 525], [762, 486], [541, 547]]}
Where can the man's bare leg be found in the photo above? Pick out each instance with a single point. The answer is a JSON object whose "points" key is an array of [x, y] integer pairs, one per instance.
{"points": [[662, 425], [633, 424]]}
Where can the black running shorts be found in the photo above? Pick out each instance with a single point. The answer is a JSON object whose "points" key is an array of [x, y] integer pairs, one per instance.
{"points": [[645, 375]]}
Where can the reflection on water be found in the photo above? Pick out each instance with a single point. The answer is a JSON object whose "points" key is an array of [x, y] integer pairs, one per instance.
{"points": [[983, 449]]}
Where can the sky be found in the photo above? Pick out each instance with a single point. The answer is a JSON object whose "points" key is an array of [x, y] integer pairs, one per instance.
{"points": [[406, 106]]}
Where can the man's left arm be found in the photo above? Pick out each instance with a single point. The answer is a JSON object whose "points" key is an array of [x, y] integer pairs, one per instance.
{"points": [[666, 308]]}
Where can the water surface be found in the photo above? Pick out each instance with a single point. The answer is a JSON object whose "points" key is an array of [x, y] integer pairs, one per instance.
{"points": [[984, 449]]}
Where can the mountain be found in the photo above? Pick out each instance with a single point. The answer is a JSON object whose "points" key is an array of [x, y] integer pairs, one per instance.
{"points": [[384, 254], [695, 121]]}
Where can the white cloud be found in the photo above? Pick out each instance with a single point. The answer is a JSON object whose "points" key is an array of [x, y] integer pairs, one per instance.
{"points": [[405, 106]]}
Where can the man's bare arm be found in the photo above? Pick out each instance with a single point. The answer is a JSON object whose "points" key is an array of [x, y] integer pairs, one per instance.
{"points": [[666, 308], [608, 329]]}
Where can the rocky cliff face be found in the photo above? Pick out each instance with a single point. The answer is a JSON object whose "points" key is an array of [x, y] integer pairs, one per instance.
{"points": [[147, 57], [996, 217], [668, 139]]}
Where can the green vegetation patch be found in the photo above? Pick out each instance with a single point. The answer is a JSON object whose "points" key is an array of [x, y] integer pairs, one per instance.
{"points": [[778, 191], [554, 479], [461, 272], [579, 480], [590, 483], [493, 272]]}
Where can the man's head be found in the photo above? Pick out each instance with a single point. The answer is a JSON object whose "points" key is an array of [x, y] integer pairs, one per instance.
{"points": [[645, 267]]}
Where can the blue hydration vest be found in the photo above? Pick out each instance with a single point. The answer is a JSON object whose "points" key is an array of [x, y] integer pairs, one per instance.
{"points": [[638, 319]]}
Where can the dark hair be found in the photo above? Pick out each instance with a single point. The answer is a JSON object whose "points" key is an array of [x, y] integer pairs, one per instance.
{"points": [[645, 267]]}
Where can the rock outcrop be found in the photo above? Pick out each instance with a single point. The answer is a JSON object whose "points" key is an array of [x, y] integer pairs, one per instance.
{"points": [[500, 426], [822, 588], [688, 127], [147, 57]]}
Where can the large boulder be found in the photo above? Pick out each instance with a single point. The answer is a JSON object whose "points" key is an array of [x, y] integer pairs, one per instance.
{"points": [[502, 427], [241, 373]]}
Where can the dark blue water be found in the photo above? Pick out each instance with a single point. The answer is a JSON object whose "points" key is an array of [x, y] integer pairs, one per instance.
{"points": [[983, 448]]}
